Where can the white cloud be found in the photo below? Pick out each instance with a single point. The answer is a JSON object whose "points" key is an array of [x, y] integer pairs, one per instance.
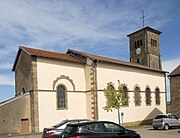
{"points": [[45, 23], [5, 66], [170, 65], [6, 80], [73, 24]]}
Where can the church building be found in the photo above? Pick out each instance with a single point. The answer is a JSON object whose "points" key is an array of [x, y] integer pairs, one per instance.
{"points": [[51, 86]]}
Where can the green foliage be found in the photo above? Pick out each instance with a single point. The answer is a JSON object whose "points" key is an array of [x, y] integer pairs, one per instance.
{"points": [[115, 99]]}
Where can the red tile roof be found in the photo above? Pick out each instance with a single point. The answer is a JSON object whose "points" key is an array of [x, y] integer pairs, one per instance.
{"points": [[71, 56], [49, 54], [115, 61], [46, 54], [175, 72]]}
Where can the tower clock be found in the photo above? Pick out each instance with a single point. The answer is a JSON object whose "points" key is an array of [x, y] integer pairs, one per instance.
{"points": [[145, 47]]}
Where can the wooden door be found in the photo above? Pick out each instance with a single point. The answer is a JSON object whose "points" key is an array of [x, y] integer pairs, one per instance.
{"points": [[24, 126]]}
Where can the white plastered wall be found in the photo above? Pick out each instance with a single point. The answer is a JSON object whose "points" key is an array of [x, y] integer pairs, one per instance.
{"points": [[48, 71], [130, 76]]}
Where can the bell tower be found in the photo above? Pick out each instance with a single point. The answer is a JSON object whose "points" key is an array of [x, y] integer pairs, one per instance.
{"points": [[145, 47]]}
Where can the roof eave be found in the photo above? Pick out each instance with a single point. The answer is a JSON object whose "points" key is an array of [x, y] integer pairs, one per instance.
{"points": [[70, 50], [173, 75], [145, 68], [145, 28], [17, 56]]}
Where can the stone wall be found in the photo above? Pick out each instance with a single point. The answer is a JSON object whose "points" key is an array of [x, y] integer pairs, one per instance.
{"points": [[23, 73], [149, 43], [13, 113], [26, 81], [175, 95]]}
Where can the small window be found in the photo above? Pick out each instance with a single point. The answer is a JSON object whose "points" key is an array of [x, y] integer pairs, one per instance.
{"points": [[155, 43], [141, 42], [135, 44], [137, 97], [148, 96], [151, 41], [138, 43], [157, 95], [61, 97], [23, 91], [125, 92], [138, 60]]}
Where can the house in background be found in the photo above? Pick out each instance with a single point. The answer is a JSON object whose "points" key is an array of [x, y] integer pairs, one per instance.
{"points": [[52, 86], [175, 91]]}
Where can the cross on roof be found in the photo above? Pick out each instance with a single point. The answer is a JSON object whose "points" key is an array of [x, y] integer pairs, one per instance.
{"points": [[143, 16]]}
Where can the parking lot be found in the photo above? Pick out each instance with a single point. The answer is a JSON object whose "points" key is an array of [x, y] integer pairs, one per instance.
{"points": [[144, 132], [151, 133]]}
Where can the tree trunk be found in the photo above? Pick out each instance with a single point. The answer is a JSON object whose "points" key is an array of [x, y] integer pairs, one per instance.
{"points": [[119, 117]]}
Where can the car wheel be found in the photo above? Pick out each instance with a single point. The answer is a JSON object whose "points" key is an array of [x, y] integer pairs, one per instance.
{"points": [[166, 126], [155, 128]]}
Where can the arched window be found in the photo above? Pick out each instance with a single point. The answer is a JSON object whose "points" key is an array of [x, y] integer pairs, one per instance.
{"points": [[135, 43], [138, 43], [137, 97], [157, 94], [148, 96], [125, 92], [138, 60], [141, 44], [23, 90], [61, 97]]}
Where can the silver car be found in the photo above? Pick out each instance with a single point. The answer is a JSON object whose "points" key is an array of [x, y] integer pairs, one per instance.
{"points": [[165, 121]]}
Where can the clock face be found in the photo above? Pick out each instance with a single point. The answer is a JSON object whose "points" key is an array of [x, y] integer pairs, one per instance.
{"points": [[138, 51]]}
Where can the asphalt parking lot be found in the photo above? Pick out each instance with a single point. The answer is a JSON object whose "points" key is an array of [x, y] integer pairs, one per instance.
{"points": [[144, 132], [151, 133]]}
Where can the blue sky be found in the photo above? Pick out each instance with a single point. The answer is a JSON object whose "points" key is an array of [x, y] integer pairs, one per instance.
{"points": [[94, 26]]}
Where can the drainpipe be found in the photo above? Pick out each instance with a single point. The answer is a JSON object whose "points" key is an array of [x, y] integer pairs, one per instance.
{"points": [[95, 94]]}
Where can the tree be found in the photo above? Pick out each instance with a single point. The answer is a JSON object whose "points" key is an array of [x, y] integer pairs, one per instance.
{"points": [[115, 98]]}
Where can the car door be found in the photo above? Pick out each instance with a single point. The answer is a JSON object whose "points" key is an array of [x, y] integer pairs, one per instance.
{"points": [[174, 120], [103, 130], [93, 130], [115, 131], [169, 120]]}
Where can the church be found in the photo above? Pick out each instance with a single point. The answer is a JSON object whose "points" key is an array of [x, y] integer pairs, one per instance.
{"points": [[51, 86]]}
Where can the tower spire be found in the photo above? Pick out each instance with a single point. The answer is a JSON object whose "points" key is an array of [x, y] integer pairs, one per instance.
{"points": [[143, 16]]}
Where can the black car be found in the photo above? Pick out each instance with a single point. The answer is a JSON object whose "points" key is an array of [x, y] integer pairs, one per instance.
{"points": [[56, 130], [97, 129]]}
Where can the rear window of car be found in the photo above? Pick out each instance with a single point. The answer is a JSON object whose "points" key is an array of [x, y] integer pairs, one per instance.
{"points": [[68, 129], [161, 116]]}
